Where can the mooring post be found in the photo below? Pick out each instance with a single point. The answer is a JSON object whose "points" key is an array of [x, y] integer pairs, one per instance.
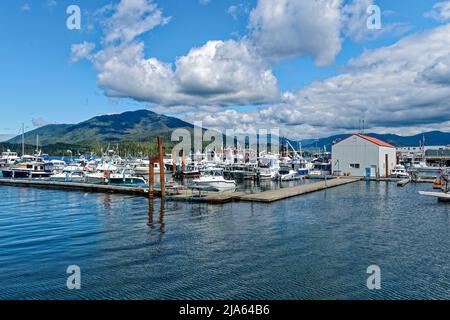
{"points": [[386, 159], [162, 177], [151, 175], [183, 163]]}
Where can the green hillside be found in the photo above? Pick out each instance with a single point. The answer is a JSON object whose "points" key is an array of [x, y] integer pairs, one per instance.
{"points": [[136, 126]]}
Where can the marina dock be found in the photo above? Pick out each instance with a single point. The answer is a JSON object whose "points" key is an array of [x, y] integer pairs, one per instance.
{"points": [[72, 186], [266, 196], [284, 193], [185, 195]]}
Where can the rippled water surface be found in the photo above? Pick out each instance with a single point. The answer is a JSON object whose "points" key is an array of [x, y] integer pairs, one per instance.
{"points": [[316, 246]]}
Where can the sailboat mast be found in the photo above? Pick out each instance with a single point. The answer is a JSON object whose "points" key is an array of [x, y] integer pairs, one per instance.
{"points": [[23, 139]]}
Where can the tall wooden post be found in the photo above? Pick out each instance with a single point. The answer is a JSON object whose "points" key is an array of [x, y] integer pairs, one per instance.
{"points": [[151, 175], [183, 163], [162, 177], [386, 159]]}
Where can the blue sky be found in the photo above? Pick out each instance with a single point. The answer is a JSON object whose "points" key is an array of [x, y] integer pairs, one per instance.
{"points": [[41, 84]]}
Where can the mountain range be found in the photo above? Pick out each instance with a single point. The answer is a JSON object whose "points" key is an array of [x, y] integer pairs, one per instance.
{"points": [[143, 125], [431, 138], [136, 126]]}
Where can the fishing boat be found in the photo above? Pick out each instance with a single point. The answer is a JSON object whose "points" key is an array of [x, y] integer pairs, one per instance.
{"points": [[399, 171], [8, 159], [212, 179], [38, 168]]}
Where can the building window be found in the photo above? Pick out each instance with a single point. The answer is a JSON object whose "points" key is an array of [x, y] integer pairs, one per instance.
{"points": [[354, 165]]}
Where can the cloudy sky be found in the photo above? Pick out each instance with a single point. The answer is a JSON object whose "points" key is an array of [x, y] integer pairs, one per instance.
{"points": [[309, 68]]}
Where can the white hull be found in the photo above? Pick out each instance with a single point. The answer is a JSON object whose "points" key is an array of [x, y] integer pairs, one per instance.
{"points": [[214, 185], [290, 176], [65, 178], [92, 178]]}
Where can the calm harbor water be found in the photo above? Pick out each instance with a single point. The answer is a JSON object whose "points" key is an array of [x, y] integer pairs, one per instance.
{"points": [[316, 246]]}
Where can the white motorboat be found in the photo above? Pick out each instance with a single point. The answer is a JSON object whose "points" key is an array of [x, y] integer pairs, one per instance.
{"points": [[102, 173], [8, 159], [399, 171], [212, 179], [58, 166], [320, 170], [288, 174], [71, 173], [125, 176], [421, 169], [269, 165], [142, 169], [192, 170]]}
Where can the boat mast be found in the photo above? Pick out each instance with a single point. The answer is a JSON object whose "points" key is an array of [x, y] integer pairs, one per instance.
{"points": [[23, 139]]}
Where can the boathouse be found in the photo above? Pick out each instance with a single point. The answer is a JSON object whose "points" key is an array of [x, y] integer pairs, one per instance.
{"points": [[363, 156]]}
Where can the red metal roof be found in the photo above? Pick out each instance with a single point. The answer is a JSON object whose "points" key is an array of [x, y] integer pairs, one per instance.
{"points": [[376, 141]]}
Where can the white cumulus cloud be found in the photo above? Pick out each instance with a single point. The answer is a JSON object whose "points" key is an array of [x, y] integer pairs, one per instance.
{"points": [[402, 87], [291, 28], [440, 11]]}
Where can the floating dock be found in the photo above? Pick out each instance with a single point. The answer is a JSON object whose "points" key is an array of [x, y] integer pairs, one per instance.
{"points": [[441, 196], [266, 196], [84, 187], [186, 195], [284, 193]]}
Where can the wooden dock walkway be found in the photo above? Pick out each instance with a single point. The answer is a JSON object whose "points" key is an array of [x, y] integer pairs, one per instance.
{"points": [[186, 195], [266, 196], [74, 186], [284, 193]]}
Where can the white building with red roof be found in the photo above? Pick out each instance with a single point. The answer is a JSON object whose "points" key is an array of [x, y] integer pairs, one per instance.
{"points": [[361, 155]]}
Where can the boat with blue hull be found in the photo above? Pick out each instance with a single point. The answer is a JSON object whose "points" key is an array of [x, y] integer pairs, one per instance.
{"points": [[32, 169]]}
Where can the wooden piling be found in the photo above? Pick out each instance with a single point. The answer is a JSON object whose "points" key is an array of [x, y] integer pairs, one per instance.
{"points": [[151, 175], [162, 177], [386, 159]]}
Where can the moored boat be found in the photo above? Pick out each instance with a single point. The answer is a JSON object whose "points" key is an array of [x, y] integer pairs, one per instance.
{"points": [[33, 169], [213, 180], [125, 176], [8, 159]]}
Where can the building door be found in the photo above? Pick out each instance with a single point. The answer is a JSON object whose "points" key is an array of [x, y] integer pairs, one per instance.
{"points": [[368, 173]]}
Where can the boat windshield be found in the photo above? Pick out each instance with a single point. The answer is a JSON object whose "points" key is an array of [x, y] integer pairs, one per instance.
{"points": [[214, 173]]}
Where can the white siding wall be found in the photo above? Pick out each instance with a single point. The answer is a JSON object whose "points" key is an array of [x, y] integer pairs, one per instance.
{"points": [[356, 150], [392, 159]]}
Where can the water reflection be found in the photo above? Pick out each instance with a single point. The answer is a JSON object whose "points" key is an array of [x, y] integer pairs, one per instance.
{"points": [[151, 214], [107, 201]]}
